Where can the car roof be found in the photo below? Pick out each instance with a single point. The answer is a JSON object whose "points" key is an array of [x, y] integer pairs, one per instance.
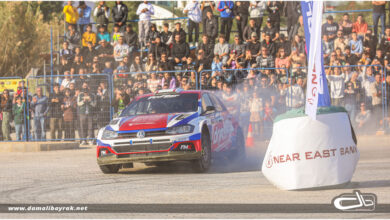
{"points": [[170, 91]]}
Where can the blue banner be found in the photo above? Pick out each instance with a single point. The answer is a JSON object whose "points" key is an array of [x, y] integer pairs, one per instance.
{"points": [[307, 13]]}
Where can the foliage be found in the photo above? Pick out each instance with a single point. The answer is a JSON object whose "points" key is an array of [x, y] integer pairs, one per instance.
{"points": [[49, 9], [25, 36]]}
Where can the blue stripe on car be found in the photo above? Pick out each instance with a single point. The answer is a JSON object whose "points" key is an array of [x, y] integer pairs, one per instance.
{"points": [[99, 143], [109, 128], [194, 137], [186, 120]]}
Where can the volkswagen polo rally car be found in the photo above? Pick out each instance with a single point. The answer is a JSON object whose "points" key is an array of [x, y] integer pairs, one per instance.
{"points": [[170, 125]]}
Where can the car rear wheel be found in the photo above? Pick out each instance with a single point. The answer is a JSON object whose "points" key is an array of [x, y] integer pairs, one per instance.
{"points": [[110, 168], [204, 162]]}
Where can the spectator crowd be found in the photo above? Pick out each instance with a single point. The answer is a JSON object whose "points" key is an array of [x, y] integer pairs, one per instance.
{"points": [[259, 71]]}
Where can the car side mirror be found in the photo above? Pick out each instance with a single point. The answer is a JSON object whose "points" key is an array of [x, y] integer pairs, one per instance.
{"points": [[210, 108]]}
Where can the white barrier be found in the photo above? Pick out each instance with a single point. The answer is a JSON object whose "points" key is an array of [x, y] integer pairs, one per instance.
{"points": [[306, 153]]}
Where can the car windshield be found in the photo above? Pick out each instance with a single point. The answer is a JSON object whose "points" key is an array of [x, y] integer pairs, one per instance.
{"points": [[159, 104]]}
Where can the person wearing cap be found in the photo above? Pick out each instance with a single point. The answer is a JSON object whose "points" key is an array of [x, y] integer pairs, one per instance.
{"points": [[145, 11], [330, 28], [241, 13], [71, 15], [211, 27], [274, 9], [249, 29], [119, 14], [84, 16], [271, 30], [55, 113], [226, 12], [88, 36], [102, 14], [86, 102], [256, 12], [195, 17], [254, 45]]}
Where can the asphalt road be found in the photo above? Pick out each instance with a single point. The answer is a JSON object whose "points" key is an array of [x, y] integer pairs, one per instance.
{"points": [[72, 176]]}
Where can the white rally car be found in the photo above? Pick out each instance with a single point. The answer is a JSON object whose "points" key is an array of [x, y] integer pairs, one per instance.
{"points": [[170, 125]]}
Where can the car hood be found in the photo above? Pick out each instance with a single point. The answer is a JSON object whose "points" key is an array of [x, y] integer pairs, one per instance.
{"points": [[154, 121]]}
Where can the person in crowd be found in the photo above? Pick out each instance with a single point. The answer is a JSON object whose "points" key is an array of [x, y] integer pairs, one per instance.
{"points": [[292, 9], [376, 94], [116, 33], [105, 52], [40, 106], [153, 82], [130, 38], [6, 111], [370, 43], [274, 9], [89, 36], [202, 63], [89, 53], [86, 102], [151, 64], [269, 44], [151, 35], [385, 42], [68, 107], [330, 28], [103, 34], [249, 29], [265, 60], [379, 12], [271, 30], [345, 25], [164, 63], [207, 47], [102, 14], [336, 80], [71, 14], [137, 65], [194, 19], [145, 11], [121, 50], [179, 30], [73, 37], [284, 43], [158, 48], [282, 60], [360, 27], [226, 12], [356, 45], [256, 12], [238, 47], [66, 81], [256, 108], [180, 50], [210, 27], [363, 119], [169, 80], [241, 13], [18, 111], [55, 113], [119, 14], [84, 12], [340, 41], [206, 6], [350, 58], [327, 47], [103, 104], [65, 51], [166, 36], [350, 99], [221, 49]]}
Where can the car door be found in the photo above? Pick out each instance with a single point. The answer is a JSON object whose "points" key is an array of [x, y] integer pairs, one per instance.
{"points": [[221, 139], [215, 122]]}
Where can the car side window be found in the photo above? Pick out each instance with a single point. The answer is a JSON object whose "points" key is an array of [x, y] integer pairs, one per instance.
{"points": [[218, 106], [206, 102]]}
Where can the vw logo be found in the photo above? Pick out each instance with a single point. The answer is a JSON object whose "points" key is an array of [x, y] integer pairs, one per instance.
{"points": [[141, 134]]}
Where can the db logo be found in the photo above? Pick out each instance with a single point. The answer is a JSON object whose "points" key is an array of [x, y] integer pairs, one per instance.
{"points": [[355, 201], [269, 160]]}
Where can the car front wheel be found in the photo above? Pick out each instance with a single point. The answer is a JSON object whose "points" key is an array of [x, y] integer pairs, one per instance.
{"points": [[110, 168], [204, 162]]}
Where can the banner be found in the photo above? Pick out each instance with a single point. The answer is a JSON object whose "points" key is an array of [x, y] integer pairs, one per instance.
{"points": [[305, 153], [317, 93]]}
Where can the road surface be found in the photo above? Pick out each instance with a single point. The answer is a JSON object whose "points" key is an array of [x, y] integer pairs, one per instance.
{"points": [[72, 176]]}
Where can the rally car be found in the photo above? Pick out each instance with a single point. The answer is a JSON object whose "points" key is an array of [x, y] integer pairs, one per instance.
{"points": [[170, 125]]}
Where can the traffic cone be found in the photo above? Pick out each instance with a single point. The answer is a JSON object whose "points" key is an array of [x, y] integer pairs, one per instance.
{"points": [[249, 139]]}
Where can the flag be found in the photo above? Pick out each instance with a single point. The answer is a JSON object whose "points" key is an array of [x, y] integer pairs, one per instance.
{"points": [[317, 93]]}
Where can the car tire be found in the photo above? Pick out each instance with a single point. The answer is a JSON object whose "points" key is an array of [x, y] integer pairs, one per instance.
{"points": [[110, 168], [239, 151], [204, 162]]}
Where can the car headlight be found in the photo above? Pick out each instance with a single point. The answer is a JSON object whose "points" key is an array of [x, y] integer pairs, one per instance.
{"points": [[107, 134], [183, 129]]}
